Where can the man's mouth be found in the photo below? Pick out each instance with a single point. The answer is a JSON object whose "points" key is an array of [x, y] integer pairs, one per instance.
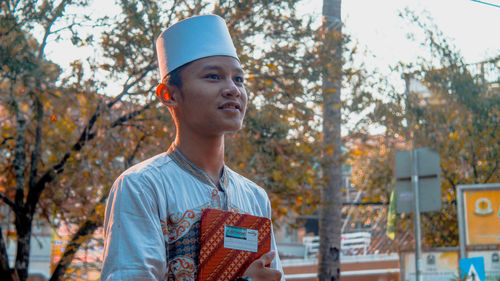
{"points": [[230, 105]]}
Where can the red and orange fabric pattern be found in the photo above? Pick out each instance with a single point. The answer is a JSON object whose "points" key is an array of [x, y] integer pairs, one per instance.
{"points": [[217, 262]]}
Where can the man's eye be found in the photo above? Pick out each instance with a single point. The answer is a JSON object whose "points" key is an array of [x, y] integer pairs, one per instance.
{"points": [[212, 76], [239, 79]]}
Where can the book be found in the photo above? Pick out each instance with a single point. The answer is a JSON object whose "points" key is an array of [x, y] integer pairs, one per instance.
{"points": [[230, 242]]}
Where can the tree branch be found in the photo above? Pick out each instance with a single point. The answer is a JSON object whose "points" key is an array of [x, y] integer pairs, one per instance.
{"points": [[5, 140], [20, 160], [9, 202], [35, 188], [474, 163], [492, 172], [57, 12], [80, 24], [128, 160], [171, 12], [86, 136], [50, 174], [86, 229], [449, 179], [122, 119], [127, 86], [35, 154]]}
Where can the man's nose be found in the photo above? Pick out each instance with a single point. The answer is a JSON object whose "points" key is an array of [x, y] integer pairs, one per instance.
{"points": [[231, 90]]}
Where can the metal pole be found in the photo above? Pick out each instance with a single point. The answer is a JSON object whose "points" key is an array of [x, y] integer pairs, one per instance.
{"points": [[414, 181], [461, 220], [416, 213]]}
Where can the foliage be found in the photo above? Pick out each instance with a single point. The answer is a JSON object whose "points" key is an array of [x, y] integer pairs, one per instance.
{"points": [[60, 136], [65, 138], [458, 117], [371, 158]]}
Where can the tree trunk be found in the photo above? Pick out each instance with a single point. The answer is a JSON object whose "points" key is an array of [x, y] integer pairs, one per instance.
{"points": [[331, 199], [6, 272], [23, 228]]}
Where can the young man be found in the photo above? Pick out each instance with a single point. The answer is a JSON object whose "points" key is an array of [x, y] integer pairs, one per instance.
{"points": [[152, 218]]}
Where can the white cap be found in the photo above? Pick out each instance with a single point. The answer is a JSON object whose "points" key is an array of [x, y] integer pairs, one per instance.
{"points": [[191, 39]]}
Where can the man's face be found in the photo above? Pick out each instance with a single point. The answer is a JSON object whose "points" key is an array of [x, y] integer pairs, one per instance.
{"points": [[213, 99]]}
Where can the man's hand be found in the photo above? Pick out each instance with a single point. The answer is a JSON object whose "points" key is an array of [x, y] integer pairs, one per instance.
{"points": [[258, 270]]}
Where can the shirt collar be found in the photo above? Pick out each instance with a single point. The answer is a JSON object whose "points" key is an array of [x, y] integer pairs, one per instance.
{"points": [[196, 172]]}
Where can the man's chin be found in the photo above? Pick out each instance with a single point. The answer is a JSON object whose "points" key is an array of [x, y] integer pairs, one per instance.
{"points": [[233, 129]]}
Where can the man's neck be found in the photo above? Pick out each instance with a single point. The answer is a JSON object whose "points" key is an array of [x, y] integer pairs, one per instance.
{"points": [[207, 154]]}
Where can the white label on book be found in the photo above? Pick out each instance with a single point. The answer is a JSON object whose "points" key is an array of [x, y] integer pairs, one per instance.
{"points": [[240, 238]]}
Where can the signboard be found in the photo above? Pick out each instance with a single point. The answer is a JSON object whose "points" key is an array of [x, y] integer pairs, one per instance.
{"points": [[478, 215], [429, 181], [472, 269], [491, 263], [436, 266], [482, 217]]}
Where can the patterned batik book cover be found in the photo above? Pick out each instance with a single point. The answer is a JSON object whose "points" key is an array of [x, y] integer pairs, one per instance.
{"points": [[230, 242]]}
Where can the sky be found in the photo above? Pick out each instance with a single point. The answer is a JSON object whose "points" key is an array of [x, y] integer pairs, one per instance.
{"points": [[376, 27]]}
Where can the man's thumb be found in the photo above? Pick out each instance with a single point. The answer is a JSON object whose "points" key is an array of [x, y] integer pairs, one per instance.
{"points": [[268, 257]]}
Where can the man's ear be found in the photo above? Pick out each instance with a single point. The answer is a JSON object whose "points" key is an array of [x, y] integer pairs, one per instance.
{"points": [[166, 95]]}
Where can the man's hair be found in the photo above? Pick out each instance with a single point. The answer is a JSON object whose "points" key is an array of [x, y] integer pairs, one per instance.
{"points": [[174, 77]]}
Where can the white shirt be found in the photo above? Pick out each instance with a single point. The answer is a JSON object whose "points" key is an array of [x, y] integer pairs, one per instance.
{"points": [[152, 217]]}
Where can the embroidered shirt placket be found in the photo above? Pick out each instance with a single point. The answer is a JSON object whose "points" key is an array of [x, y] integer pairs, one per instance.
{"points": [[201, 175]]}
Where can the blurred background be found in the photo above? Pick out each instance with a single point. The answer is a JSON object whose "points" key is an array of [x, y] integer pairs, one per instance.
{"points": [[332, 98]]}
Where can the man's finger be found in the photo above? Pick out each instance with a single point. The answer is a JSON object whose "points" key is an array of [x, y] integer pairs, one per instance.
{"points": [[268, 257]]}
